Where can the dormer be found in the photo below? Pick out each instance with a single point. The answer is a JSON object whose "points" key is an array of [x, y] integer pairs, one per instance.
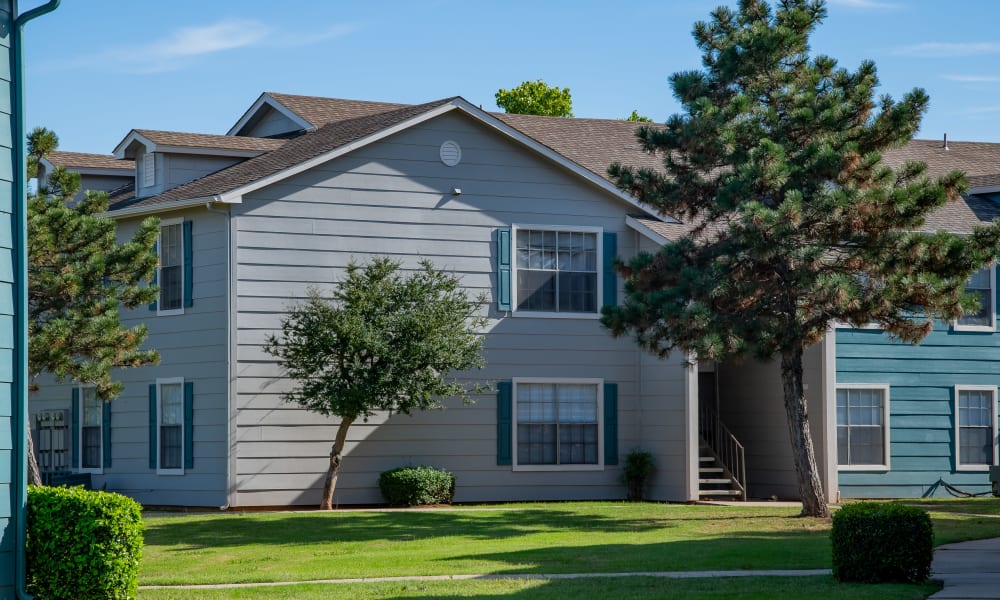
{"points": [[269, 118], [167, 159], [98, 172]]}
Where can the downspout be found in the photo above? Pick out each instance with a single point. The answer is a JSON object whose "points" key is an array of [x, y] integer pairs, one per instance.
{"points": [[20, 230], [230, 349]]}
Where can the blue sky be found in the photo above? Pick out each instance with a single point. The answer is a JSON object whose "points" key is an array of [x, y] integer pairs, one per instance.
{"points": [[97, 68]]}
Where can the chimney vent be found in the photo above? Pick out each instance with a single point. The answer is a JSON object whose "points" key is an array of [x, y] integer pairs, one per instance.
{"points": [[945, 146]]}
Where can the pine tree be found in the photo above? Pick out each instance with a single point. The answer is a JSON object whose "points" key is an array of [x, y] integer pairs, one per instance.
{"points": [[797, 222], [78, 277]]}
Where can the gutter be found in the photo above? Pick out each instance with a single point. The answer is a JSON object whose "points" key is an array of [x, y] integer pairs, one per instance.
{"points": [[20, 229]]}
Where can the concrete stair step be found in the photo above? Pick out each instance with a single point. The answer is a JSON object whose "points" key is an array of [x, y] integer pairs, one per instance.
{"points": [[705, 470], [717, 481], [719, 493]]}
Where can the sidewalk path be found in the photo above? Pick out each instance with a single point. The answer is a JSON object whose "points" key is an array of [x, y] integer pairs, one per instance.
{"points": [[969, 570], [672, 574]]}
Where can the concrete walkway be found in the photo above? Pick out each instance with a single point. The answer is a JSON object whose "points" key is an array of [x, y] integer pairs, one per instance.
{"points": [[968, 570]]}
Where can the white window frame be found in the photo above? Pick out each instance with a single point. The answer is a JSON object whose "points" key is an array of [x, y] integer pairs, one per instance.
{"points": [[99, 469], [160, 312], [148, 170], [886, 425], [599, 466], [160, 382], [957, 326], [513, 271], [958, 428]]}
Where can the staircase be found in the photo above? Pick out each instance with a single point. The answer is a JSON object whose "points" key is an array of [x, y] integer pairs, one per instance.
{"points": [[722, 466], [715, 482]]}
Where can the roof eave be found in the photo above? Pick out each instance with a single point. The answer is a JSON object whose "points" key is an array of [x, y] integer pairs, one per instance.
{"points": [[646, 231], [160, 207]]}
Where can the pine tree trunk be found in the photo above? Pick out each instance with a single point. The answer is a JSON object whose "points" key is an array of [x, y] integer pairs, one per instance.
{"points": [[336, 457], [810, 486], [34, 475]]}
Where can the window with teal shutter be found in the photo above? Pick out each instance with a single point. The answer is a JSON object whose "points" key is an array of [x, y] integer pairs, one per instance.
{"points": [[153, 447], [505, 423], [106, 435], [188, 266], [188, 425], [610, 283], [75, 426], [503, 269], [156, 273], [611, 423]]}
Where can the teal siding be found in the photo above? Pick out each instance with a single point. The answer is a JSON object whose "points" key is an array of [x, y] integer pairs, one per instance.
{"points": [[922, 380]]}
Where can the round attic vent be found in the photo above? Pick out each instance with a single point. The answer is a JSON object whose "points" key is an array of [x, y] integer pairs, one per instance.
{"points": [[451, 153]]}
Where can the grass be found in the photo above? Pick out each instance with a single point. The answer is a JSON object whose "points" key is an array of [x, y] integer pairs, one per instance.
{"points": [[741, 588], [599, 537], [983, 505]]}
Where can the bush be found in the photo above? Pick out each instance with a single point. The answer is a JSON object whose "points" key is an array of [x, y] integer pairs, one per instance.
{"points": [[410, 486], [882, 542], [638, 468], [82, 544]]}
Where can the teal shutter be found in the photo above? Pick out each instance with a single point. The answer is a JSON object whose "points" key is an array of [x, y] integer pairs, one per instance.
{"points": [[188, 424], [505, 423], [188, 265], [153, 458], [611, 423], [503, 270], [156, 272], [74, 422], [610, 283], [106, 434]]}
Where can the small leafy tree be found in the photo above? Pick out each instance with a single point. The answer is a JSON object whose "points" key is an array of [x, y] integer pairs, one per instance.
{"points": [[776, 160], [386, 342], [536, 98], [637, 118], [78, 277]]}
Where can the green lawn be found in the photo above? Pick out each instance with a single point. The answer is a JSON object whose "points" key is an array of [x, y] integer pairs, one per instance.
{"points": [[761, 588], [601, 537]]}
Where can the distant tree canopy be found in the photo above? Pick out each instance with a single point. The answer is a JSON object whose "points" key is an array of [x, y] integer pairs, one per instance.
{"points": [[536, 98]]}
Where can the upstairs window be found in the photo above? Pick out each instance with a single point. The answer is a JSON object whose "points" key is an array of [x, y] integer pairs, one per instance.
{"points": [[557, 271], [171, 271], [981, 285]]}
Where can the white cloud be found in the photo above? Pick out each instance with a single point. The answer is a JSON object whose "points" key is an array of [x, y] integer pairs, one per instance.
{"points": [[182, 47], [863, 4], [973, 78], [948, 49]]}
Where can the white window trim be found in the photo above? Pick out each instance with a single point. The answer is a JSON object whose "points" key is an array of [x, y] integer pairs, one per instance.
{"points": [[148, 170], [159, 438], [159, 276], [957, 445], [599, 466], [884, 387], [513, 271], [99, 470], [956, 326]]}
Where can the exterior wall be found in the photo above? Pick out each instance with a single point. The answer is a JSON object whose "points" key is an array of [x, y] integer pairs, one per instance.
{"points": [[178, 169], [395, 198], [921, 383], [194, 346], [751, 404], [271, 124], [102, 183]]}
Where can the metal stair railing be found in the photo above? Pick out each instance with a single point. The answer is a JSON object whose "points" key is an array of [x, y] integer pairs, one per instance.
{"points": [[727, 449]]}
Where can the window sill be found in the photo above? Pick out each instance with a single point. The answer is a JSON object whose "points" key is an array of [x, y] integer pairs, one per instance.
{"points": [[170, 313], [555, 315], [598, 467], [866, 468], [974, 328], [170, 471], [975, 468], [97, 471]]}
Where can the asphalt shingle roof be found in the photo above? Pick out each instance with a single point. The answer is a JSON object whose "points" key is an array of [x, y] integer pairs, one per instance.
{"points": [[82, 160], [320, 111], [209, 141]]}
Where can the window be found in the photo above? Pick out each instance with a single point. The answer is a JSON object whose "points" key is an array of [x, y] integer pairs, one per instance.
{"points": [[980, 284], [862, 426], [148, 169], [557, 423], [170, 426], [170, 277], [975, 426], [91, 429], [557, 270]]}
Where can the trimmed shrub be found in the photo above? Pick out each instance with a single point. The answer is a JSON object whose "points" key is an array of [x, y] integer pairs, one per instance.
{"points": [[82, 544], [881, 543], [411, 486], [638, 468]]}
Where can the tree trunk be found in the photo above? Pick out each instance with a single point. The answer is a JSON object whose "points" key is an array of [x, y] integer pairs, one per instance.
{"points": [[336, 457], [34, 475], [810, 486]]}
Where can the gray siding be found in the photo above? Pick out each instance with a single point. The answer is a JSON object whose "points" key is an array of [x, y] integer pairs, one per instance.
{"points": [[193, 346], [271, 123], [751, 404], [395, 198], [179, 169]]}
